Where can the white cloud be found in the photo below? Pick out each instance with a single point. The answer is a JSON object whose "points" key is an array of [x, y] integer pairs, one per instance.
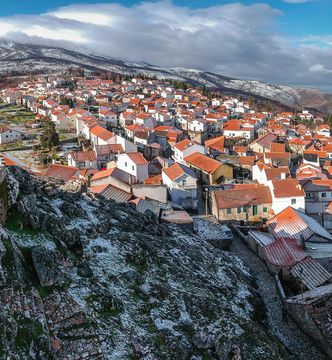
{"points": [[234, 39]]}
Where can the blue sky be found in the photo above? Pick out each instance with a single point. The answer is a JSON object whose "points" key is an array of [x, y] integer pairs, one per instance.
{"points": [[280, 41]]}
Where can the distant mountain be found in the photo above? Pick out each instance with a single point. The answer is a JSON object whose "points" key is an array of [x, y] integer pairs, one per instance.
{"points": [[23, 59]]}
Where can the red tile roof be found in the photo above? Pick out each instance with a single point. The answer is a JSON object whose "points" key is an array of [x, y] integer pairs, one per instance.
{"points": [[287, 188], [61, 172], [101, 132], [184, 144], [203, 162], [217, 143], [154, 180], [176, 170], [247, 196], [277, 147], [137, 158]]}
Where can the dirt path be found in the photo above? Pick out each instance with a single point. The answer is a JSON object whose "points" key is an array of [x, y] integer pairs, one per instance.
{"points": [[298, 344]]}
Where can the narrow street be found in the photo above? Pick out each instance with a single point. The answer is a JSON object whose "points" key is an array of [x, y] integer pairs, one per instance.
{"points": [[298, 344]]}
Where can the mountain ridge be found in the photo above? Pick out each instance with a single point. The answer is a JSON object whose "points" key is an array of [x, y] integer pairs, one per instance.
{"points": [[20, 59]]}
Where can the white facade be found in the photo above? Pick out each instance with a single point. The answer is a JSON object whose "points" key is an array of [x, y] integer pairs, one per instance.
{"points": [[281, 203], [179, 155], [9, 135], [247, 134], [197, 125], [183, 190], [125, 163]]}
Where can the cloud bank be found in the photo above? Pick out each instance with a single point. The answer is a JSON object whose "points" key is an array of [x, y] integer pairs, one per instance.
{"points": [[233, 40]]}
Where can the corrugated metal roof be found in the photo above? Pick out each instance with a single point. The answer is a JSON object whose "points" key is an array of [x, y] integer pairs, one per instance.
{"points": [[144, 205], [293, 223], [283, 252], [319, 250], [310, 273], [116, 194], [261, 238]]}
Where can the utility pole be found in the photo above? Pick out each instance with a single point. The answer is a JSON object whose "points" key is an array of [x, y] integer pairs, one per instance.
{"points": [[206, 199], [322, 213]]}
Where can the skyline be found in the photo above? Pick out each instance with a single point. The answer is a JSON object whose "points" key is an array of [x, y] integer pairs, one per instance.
{"points": [[278, 41]]}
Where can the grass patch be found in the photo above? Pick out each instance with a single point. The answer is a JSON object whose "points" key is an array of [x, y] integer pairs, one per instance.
{"points": [[15, 222], [28, 331]]}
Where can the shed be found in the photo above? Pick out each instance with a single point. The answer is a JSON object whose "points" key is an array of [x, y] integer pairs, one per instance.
{"points": [[257, 240], [310, 273]]}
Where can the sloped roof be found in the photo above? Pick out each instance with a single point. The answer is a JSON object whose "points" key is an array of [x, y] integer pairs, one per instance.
{"points": [[101, 132], [61, 172], [184, 144], [275, 173], [84, 155], [293, 223], [217, 143], [176, 170], [203, 162], [310, 272], [247, 196], [117, 173], [111, 192], [283, 252], [287, 188], [265, 140], [137, 158], [260, 237]]}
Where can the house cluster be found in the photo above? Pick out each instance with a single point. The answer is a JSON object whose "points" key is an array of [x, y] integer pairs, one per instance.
{"points": [[149, 139]]}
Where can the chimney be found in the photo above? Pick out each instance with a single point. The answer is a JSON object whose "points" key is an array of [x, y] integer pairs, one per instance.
{"points": [[283, 176]]}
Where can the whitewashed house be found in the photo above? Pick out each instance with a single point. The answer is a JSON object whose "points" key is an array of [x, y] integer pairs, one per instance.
{"points": [[181, 182], [135, 164], [286, 192], [8, 135], [185, 148]]}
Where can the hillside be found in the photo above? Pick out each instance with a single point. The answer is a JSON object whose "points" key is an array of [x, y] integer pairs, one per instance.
{"points": [[21, 59], [82, 275]]}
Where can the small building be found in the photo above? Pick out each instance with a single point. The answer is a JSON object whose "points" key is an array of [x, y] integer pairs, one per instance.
{"points": [[135, 164], [257, 240], [185, 148], [263, 143], [247, 203], [83, 159], [8, 135], [181, 182], [292, 223], [209, 171]]}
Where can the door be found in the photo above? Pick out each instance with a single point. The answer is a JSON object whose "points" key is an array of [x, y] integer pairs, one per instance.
{"points": [[254, 210]]}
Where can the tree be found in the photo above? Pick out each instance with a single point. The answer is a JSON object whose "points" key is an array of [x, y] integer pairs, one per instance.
{"points": [[67, 101], [49, 138], [251, 101]]}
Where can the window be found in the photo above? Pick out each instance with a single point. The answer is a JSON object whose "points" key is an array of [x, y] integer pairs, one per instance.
{"points": [[323, 194], [293, 201], [244, 209], [309, 195], [133, 167], [125, 164], [265, 209], [229, 211], [184, 182], [239, 210]]}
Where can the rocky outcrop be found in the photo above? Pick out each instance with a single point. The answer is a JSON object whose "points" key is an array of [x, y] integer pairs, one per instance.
{"points": [[99, 280]]}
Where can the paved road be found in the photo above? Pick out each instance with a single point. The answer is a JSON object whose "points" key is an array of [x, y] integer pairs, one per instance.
{"points": [[298, 344]]}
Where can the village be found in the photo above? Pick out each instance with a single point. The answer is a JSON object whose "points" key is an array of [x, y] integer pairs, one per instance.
{"points": [[210, 163]]}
